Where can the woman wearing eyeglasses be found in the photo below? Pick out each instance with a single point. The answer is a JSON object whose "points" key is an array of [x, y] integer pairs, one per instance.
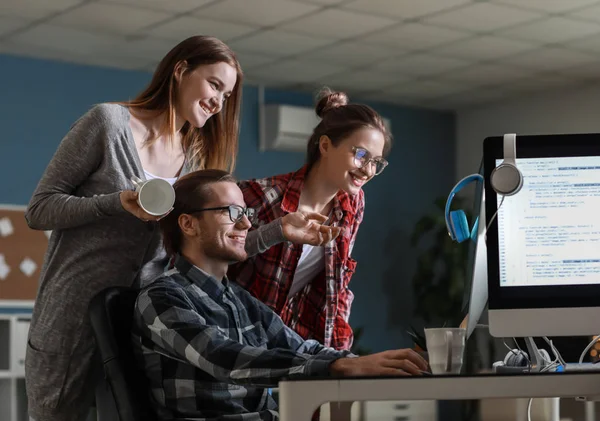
{"points": [[307, 285]]}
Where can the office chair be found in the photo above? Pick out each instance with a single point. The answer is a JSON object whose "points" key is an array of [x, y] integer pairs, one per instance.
{"points": [[111, 312]]}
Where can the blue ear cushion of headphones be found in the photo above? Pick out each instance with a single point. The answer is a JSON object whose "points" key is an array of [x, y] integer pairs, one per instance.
{"points": [[461, 226]]}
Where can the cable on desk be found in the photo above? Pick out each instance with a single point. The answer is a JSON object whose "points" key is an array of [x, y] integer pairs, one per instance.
{"points": [[529, 409], [587, 348]]}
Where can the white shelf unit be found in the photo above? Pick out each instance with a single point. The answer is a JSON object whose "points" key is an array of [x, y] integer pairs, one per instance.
{"points": [[13, 342], [386, 411]]}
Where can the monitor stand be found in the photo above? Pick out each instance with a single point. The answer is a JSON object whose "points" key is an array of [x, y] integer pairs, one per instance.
{"points": [[538, 362], [536, 359]]}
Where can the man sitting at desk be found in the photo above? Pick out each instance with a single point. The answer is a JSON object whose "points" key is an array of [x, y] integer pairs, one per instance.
{"points": [[208, 348]]}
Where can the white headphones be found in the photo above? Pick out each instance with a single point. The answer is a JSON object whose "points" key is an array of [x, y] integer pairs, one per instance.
{"points": [[506, 179], [516, 360]]}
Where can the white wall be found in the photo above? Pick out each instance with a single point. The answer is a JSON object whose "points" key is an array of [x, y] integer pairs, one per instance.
{"points": [[562, 111]]}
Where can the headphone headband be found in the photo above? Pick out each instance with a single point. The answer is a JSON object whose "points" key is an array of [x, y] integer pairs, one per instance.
{"points": [[458, 187], [510, 148]]}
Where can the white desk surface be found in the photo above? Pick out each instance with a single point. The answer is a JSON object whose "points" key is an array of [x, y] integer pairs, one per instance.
{"points": [[298, 399]]}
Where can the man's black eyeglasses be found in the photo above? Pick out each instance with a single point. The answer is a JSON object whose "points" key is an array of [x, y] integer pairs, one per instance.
{"points": [[236, 213]]}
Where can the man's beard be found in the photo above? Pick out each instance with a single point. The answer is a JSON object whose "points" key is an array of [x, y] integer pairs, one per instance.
{"points": [[225, 254]]}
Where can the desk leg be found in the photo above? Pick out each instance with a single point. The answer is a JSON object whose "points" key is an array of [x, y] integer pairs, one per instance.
{"points": [[555, 409], [292, 403], [590, 411], [340, 411]]}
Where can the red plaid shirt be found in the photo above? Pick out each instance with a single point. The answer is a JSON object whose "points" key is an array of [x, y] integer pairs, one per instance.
{"points": [[320, 310]]}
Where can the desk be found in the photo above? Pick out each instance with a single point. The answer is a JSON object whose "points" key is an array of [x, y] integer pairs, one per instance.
{"points": [[298, 399]]}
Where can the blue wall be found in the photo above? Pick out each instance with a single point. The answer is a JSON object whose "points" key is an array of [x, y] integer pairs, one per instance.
{"points": [[41, 99]]}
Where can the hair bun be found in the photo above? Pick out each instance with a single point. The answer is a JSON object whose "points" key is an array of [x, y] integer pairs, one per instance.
{"points": [[328, 100]]}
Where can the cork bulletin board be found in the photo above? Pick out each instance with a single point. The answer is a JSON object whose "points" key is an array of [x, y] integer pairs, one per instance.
{"points": [[21, 256]]}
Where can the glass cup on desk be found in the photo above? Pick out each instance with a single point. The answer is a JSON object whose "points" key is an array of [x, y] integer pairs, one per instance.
{"points": [[446, 347]]}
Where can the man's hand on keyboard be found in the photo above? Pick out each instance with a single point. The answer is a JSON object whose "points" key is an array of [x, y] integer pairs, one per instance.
{"points": [[399, 362]]}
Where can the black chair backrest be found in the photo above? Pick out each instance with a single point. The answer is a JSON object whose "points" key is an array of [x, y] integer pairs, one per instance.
{"points": [[111, 314]]}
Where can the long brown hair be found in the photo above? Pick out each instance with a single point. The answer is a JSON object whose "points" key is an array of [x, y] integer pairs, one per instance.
{"points": [[216, 144], [339, 119]]}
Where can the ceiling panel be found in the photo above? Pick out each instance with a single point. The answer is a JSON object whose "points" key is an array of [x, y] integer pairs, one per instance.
{"points": [[186, 26], [552, 59], [296, 71], [110, 18], [171, 6], [150, 49], [10, 24], [405, 9], [421, 64], [415, 36], [353, 54], [417, 52], [256, 12], [472, 98], [588, 71], [587, 13], [487, 74], [552, 30], [94, 58], [250, 60], [540, 83], [483, 17], [589, 44], [278, 43], [35, 9], [338, 24], [549, 6], [395, 99], [426, 89], [366, 80], [323, 2], [67, 40], [486, 48]]}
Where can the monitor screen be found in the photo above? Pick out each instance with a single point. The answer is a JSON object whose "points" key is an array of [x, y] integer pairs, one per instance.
{"points": [[543, 246], [549, 233]]}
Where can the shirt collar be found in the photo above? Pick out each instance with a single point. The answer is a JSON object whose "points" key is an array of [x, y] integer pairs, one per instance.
{"points": [[200, 277], [291, 196]]}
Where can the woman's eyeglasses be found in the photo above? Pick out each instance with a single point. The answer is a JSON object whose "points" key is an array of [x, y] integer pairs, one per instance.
{"points": [[362, 158], [236, 212]]}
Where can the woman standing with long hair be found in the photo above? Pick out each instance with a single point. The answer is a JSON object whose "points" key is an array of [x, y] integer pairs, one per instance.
{"points": [[186, 119]]}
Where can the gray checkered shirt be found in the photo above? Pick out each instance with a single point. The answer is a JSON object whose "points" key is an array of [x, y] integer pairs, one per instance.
{"points": [[209, 349]]}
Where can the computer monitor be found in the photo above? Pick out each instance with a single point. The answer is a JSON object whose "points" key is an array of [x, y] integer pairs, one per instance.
{"points": [[478, 295], [543, 247]]}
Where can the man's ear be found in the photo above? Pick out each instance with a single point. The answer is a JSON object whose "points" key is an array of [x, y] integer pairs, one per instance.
{"points": [[324, 145], [188, 225], [179, 70]]}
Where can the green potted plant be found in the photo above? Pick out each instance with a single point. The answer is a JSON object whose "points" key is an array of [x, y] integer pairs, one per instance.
{"points": [[441, 274]]}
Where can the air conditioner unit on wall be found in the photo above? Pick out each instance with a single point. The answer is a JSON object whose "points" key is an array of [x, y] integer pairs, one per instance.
{"points": [[287, 127]]}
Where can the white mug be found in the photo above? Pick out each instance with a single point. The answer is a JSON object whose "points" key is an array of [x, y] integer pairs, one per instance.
{"points": [[156, 196], [445, 347]]}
